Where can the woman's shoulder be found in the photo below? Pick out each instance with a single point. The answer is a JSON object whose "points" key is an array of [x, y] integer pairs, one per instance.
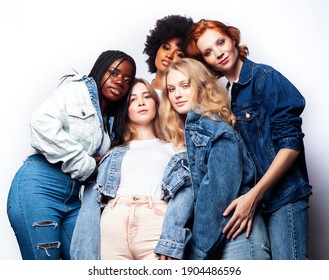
{"points": [[74, 91], [215, 127], [215, 122], [262, 67], [117, 150], [72, 84], [199, 121]]}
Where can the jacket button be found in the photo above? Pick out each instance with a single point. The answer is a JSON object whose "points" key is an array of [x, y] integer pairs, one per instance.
{"points": [[83, 113]]}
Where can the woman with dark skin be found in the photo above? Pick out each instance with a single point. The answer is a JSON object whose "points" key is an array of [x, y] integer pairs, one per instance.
{"points": [[165, 44], [70, 132]]}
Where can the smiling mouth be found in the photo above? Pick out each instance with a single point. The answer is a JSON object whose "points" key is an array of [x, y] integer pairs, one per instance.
{"points": [[224, 61]]}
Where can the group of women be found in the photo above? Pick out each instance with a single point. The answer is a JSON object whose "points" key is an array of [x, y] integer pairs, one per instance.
{"points": [[176, 168]]}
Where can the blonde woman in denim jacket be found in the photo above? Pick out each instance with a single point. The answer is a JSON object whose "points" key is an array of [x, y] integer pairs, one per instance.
{"points": [[196, 111], [268, 108], [70, 132], [134, 184]]}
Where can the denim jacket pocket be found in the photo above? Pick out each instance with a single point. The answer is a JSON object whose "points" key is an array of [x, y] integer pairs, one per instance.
{"points": [[248, 113], [81, 120], [199, 151], [199, 139], [250, 122]]}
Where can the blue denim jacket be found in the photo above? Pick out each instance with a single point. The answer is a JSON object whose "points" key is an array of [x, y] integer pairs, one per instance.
{"points": [[268, 109], [176, 187], [221, 170]]}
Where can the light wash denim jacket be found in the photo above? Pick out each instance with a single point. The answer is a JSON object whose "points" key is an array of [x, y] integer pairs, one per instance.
{"points": [[176, 187], [221, 170], [68, 127], [268, 108]]}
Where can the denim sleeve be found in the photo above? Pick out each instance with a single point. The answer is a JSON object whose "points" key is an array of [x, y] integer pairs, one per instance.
{"points": [[175, 233], [285, 104], [176, 176], [218, 187], [177, 189], [85, 244]]}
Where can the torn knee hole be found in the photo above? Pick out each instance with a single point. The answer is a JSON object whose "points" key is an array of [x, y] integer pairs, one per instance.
{"points": [[47, 246], [45, 224]]}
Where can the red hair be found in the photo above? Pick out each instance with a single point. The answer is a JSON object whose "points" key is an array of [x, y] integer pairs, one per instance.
{"points": [[201, 26]]}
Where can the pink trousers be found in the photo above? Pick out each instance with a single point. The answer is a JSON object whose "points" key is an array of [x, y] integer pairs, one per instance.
{"points": [[131, 227]]}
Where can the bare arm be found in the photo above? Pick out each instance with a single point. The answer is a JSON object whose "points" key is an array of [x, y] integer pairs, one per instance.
{"points": [[244, 206]]}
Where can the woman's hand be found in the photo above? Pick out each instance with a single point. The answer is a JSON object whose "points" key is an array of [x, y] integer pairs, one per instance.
{"points": [[97, 158], [244, 208], [165, 258]]}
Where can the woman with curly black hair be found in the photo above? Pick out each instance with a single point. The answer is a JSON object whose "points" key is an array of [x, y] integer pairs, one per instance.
{"points": [[165, 44]]}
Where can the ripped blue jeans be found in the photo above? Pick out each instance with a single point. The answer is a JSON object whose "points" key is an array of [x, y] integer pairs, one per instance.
{"points": [[42, 207]]}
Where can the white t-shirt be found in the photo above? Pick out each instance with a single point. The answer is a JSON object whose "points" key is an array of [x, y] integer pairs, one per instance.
{"points": [[143, 167]]}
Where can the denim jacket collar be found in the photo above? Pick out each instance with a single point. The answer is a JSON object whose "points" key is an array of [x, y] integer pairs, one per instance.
{"points": [[94, 97], [246, 72]]}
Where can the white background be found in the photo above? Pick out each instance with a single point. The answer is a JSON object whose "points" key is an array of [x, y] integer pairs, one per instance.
{"points": [[43, 40]]}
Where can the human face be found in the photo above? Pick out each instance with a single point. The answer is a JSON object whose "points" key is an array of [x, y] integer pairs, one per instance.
{"points": [[179, 92], [219, 51], [142, 107], [167, 54], [117, 80]]}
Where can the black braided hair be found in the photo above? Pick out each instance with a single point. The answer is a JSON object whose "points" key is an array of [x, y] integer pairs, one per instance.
{"points": [[167, 28], [118, 109]]}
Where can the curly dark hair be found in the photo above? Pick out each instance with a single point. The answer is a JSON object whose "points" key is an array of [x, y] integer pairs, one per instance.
{"points": [[167, 28]]}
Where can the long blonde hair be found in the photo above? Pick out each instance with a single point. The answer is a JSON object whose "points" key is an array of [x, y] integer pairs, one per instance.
{"points": [[209, 98], [129, 131]]}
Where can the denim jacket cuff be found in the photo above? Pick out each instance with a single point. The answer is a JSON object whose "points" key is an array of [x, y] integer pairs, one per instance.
{"points": [[193, 253], [292, 143], [170, 189], [170, 249]]}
